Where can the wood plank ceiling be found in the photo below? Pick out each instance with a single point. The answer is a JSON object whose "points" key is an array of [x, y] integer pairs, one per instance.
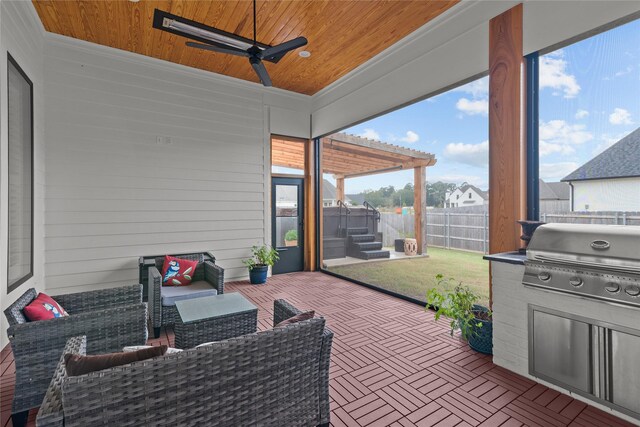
{"points": [[342, 34]]}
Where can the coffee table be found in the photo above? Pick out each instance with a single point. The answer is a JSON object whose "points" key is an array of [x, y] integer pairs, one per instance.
{"points": [[214, 318]]}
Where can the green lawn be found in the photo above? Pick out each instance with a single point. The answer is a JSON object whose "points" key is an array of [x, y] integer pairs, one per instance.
{"points": [[413, 277]]}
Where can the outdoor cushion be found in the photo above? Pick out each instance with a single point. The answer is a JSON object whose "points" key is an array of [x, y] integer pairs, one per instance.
{"points": [[77, 364], [177, 271], [171, 294], [131, 348], [43, 308], [297, 318]]}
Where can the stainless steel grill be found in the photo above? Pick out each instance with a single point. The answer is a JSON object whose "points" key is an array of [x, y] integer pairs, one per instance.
{"points": [[594, 261]]}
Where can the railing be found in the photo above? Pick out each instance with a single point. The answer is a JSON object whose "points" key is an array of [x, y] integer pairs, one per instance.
{"points": [[375, 213], [347, 211]]}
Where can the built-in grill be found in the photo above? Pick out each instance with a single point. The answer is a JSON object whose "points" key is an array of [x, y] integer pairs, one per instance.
{"points": [[594, 261]]}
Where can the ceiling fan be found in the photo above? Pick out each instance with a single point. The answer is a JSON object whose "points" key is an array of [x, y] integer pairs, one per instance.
{"points": [[216, 40]]}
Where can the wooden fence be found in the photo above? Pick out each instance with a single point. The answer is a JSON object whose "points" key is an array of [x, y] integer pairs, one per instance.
{"points": [[468, 228]]}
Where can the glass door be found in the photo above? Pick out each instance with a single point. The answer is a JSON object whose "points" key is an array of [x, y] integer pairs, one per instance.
{"points": [[287, 213]]}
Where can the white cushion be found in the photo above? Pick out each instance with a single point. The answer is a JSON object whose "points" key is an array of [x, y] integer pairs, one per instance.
{"points": [[206, 343], [171, 294], [132, 348]]}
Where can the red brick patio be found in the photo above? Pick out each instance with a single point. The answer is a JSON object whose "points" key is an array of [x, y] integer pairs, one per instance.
{"points": [[393, 366]]}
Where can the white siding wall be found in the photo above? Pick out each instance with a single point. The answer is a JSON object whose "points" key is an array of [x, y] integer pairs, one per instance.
{"points": [[21, 34], [146, 157], [607, 195]]}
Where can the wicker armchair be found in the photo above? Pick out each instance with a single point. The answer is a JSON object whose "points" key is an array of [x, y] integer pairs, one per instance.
{"points": [[150, 267], [110, 318], [277, 377]]}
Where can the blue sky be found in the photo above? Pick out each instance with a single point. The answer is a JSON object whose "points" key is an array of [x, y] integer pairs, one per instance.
{"points": [[589, 99]]}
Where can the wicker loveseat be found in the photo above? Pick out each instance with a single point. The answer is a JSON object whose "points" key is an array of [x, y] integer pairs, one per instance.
{"points": [[109, 318], [277, 377], [208, 279]]}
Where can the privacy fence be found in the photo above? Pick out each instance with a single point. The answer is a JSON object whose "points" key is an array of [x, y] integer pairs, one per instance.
{"points": [[468, 228]]}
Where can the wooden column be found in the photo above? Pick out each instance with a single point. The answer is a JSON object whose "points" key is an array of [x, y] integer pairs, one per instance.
{"points": [[309, 208], [507, 147], [340, 189], [419, 207]]}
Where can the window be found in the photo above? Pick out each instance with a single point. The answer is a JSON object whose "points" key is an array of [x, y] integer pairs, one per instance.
{"points": [[20, 130], [588, 130], [470, 195]]}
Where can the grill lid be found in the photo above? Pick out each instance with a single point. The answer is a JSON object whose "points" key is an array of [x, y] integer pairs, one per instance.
{"points": [[612, 247]]}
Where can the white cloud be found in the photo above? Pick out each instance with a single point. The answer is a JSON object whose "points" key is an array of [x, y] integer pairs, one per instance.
{"points": [[558, 136], [477, 88], [556, 171], [620, 116], [410, 137], [473, 107], [370, 134], [478, 181], [627, 70], [469, 154], [581, 114], [553, 74], [607, 141]]}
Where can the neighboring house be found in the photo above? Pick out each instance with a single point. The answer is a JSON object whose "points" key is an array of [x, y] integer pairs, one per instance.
{"points": [[466, 195], [609, 181], [356, 199], [554, 196], [329, 195]]}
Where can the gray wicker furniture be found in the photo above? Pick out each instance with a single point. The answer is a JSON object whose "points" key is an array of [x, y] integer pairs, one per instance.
{"points": [[110, 318], [208, 275], [277, 377], [215, 318]]}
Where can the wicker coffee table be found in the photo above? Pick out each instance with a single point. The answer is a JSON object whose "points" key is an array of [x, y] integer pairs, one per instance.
{"points": [[214, 318]]}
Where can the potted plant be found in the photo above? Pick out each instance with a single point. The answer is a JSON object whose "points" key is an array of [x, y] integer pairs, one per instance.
{"points": [[262, 257], [291, 238], [450, 298]]}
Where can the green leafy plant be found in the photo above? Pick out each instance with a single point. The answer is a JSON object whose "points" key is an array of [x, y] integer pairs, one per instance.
{"points": [[291, 235], [261, 256], [450, 298]]}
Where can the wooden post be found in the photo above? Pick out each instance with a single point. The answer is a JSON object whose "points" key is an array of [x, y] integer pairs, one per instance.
{"points": [[309, 208], [340, 189], [419, 207], [507, 148]]}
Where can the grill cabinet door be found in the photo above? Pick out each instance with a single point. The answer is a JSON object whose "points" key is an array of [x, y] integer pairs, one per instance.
{"points": [[561, 350], [625, 370]]}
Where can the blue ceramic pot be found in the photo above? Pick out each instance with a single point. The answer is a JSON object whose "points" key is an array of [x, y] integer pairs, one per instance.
{"points": [[258, 274]]}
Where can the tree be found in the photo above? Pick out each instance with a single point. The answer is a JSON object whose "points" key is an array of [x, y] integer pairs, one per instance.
{"points": [[437, 192]]}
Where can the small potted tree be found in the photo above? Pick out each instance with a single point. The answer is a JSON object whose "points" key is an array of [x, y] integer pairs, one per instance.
{"points": [[291, 238], [450, 298], [262, 257]]}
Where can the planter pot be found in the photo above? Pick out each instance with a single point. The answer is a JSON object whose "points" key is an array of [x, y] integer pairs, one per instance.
{"points": [[258, 274], [528, 228], [291, 243], [482, 338]]}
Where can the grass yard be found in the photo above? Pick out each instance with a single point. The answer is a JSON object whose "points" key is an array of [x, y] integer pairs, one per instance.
{"points": [[413, 277]]}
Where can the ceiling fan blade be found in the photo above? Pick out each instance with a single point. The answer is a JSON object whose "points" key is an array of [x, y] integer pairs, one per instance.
{"points": [[283, 48], [228, 50], [261, 71]]}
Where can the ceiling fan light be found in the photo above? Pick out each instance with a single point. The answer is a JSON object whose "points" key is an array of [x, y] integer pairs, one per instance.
{"points": [[182, 27]]}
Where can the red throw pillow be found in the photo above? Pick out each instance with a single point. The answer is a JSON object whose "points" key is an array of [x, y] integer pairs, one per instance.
{"points": [[43, 308], [178, 271]]}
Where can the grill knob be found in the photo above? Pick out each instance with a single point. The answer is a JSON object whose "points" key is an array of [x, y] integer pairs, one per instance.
{"points": [[575, 282], [544, 276], [632, 290], [612, 288]]}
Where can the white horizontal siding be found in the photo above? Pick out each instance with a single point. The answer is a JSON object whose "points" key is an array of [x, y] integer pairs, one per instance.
{"points": [[115, 192], [615, 194]]}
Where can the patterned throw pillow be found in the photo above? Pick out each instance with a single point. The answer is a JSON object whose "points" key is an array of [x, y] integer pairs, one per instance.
{"points": [[43, 308], [178, 271]]}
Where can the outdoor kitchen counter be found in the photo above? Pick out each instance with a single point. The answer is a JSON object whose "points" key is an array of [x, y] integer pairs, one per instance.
{"points": [[508, 257]]}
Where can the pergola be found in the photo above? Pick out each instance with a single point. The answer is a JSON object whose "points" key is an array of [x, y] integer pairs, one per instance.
{"points": [[349, 156]]}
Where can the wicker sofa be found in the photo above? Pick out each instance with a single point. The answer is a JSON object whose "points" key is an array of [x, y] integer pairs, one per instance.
{"points": [[277, 377], [109, 318], [208, 279]]}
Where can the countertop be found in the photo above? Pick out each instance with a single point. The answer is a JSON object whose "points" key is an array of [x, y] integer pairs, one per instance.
{"points": [[508, 257]]}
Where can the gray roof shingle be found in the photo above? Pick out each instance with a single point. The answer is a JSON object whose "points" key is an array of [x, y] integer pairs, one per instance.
{"points": [[621, 160]]}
